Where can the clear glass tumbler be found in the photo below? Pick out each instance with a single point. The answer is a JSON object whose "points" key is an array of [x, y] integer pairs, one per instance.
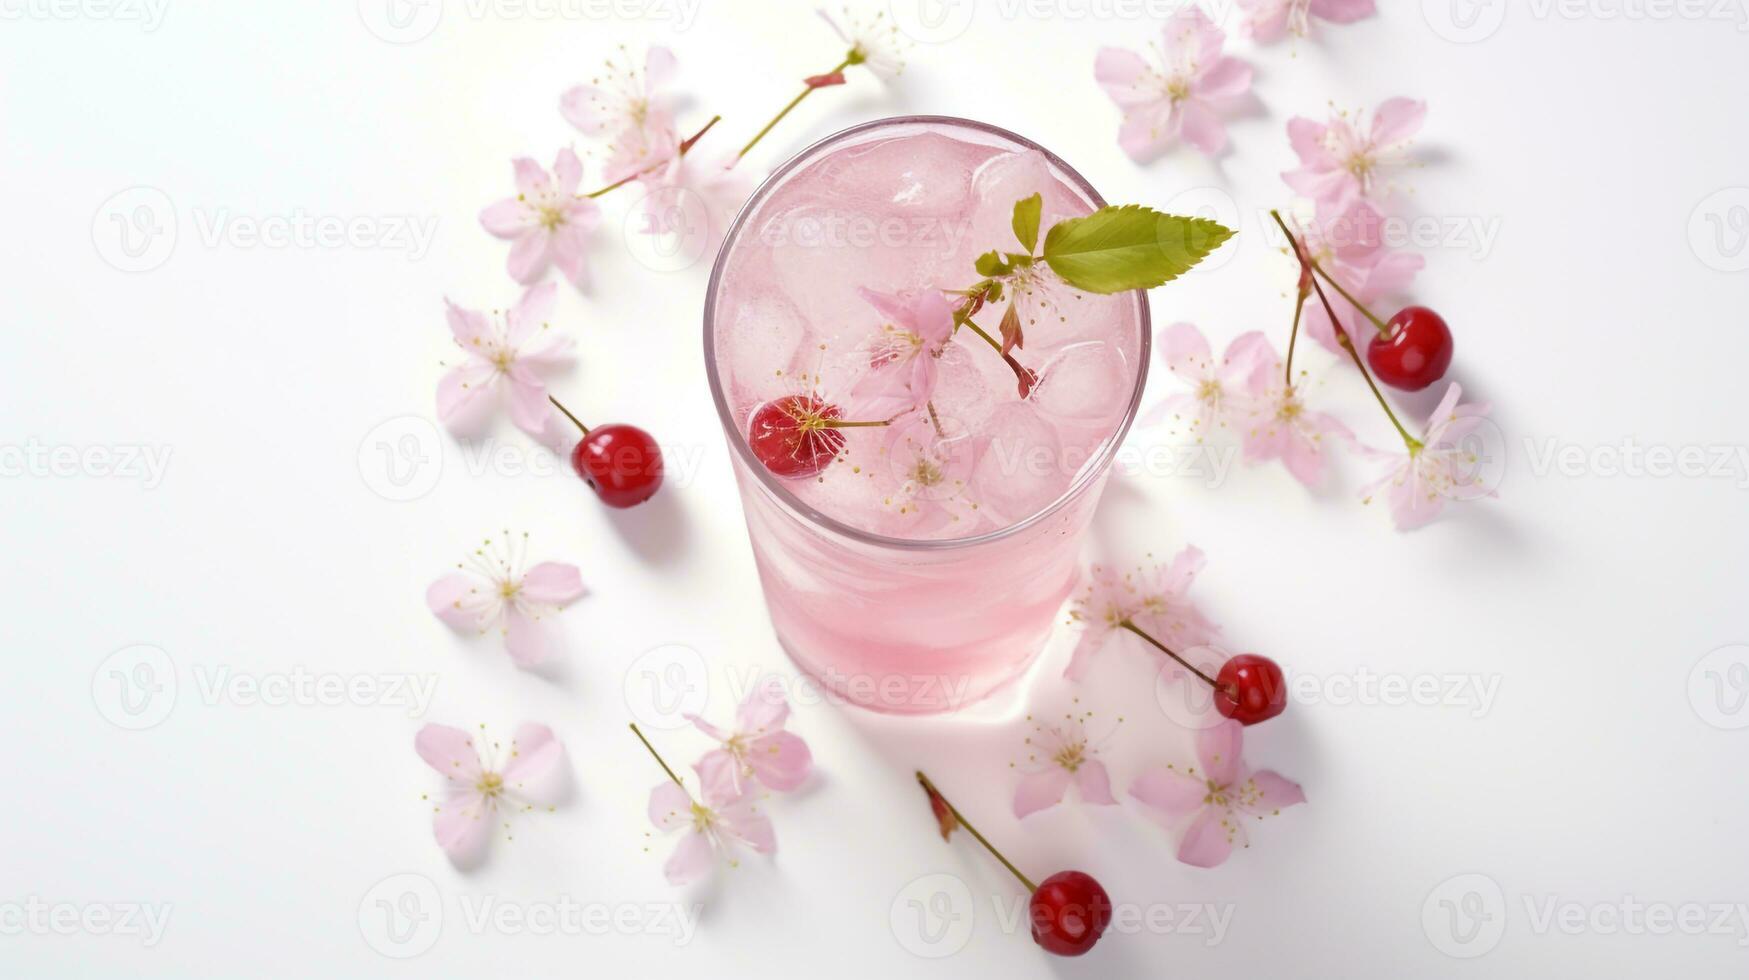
{"points": [[898, 625]]}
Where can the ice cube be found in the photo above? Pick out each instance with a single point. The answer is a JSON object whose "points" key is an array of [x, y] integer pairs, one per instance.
{"points": [[961, 392], [1003, 180], [925, 173], [1022, 467], [758, 348], [1085, 381]]}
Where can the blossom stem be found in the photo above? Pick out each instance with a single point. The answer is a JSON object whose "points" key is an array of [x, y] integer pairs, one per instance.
{"points": [[806, 91], [681, 151], [1346, 342], [1293, 338], [574, 419], [1307, 261], [658, 757], [935, 420], [1021, 374], [936, 794], [1163, 648]]}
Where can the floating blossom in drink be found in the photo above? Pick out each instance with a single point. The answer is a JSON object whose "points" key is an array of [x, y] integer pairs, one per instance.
{"points": [[484, 785], [1282, 427], [1343, 158], [1060, 753], [1440, 466], [930, 461], [1349, 246], [1222, 795], [628, 107], [721, 825], [757, 749], [875, 43], [1270, 20], [546, 222], [1182, 98], [1219, 389], [492, 590], [506, 350], [904, 350]]}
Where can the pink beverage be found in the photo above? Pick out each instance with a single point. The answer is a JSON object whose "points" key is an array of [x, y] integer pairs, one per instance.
{"points": [[925, 564]]}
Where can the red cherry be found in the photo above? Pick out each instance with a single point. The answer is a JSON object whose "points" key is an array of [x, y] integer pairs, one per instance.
{"points": [[1069, 913], [791, 436], [1414, 353], [1250, 689], [621, 463]]}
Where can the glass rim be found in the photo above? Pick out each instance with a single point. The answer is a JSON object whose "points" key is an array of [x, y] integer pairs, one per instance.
{"points": [[1097, 465]]}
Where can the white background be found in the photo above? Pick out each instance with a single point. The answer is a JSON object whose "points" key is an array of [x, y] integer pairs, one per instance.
{"points": [[1606, 769]]}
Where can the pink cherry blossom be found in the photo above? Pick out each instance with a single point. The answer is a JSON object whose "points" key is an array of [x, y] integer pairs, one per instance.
{"points": [[757, 749], [1182, 98], [694, 199], [1442, 467], [485, 787], [627, 106], [1342, 159], [1219, 388], [507, 351], [1270, 20], [929, 463], [1058, 754], [1282, 427], [721, 825], [1222, 795], [1152, 599], [491, 590], [1349, 245], [903, 352], [547, 221], [875, 42]]}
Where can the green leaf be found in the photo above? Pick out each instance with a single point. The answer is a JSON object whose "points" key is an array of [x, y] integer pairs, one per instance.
{"points": [[1129, 247], [1026, 215], [991, 264]]}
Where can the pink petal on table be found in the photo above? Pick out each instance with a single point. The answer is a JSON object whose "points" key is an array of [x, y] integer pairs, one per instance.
{"points": [[670, 807], [693, 857], [1147, 130], [445, 596], [1094, 783], [1275, 792], [567, 172], [507, 218], [1124, 76], [531, 312], [764, 709], [450, 751], [1093, 636], [1343, 11], [1206, 843], [528, 256], [720, 775], [1171, 792], [781, 760], [583, 106], [1228, 78], [524, 639], [1041, 790], [552, 583], [660, 67], [536, 771], [742, 819], [461, 824], [1397, 120], [531, 179], [529, 406], [1185, 351], [1218, 751], [470, 328]]}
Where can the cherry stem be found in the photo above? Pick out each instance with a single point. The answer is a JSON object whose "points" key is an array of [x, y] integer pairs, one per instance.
{"points": [[929, 787], [658, 757], [1307, 260], [1293, 338], [576, 421], [806, 91], [1343, 338], [836, 424], [684, 146], [1163, 648]]}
